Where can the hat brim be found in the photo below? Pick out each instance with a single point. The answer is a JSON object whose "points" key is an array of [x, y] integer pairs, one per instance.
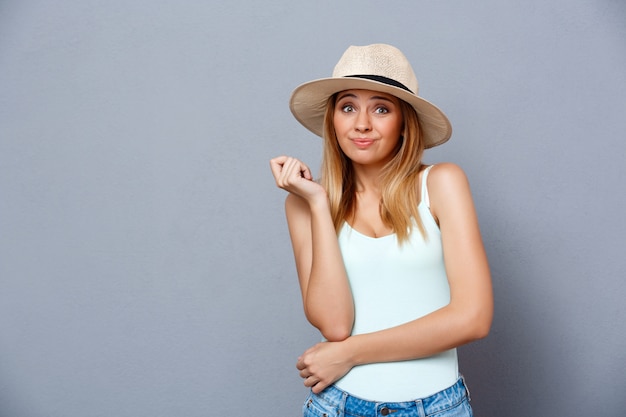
{"points": [[308, 105]]}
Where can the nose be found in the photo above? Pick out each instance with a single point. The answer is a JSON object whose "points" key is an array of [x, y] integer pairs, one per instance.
{"points": [[362, 123]]}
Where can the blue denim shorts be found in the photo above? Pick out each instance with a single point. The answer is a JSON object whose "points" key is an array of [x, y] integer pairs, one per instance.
{"points": [[333, 402]]}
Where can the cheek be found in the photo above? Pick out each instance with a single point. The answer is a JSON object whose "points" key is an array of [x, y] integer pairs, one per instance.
{"points": [[339, 123], [398, 128], [392, 129]]}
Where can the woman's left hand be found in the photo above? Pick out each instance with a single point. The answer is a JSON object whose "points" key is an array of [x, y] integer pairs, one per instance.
{"points": [[323, 364]]}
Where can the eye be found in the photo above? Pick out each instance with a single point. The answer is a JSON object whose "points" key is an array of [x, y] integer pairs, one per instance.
{"points": [[347, 108], [381, 110]]}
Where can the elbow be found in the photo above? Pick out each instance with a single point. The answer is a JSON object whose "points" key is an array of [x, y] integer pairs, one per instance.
{"points": [[336, 333], [333, 327], [481, 330], [480, 325], [334, 330]]}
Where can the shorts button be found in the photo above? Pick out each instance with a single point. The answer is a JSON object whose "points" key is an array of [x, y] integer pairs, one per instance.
{"points": [[384, 411]]}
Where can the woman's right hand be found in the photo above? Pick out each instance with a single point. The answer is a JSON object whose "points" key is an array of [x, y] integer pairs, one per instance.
{"points": [[294, 176]]}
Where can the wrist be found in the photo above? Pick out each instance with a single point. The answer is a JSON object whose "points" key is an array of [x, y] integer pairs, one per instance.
{"points": [[319, 202], [352, 351]]}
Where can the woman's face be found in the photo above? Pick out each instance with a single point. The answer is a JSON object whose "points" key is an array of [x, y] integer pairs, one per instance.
{"points": [[368, 125]]}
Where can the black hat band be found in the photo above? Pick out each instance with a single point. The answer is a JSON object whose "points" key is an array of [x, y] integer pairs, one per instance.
{"points": [[383, 80]]}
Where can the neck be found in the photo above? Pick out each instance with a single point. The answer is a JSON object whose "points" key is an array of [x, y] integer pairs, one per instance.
{"points": [[367, 178]]}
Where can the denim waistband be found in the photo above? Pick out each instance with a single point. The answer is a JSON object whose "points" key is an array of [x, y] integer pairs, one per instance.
{"points": [[354, 406]]}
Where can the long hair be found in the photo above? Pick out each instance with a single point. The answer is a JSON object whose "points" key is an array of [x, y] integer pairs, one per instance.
{"points": [[399, 177]]}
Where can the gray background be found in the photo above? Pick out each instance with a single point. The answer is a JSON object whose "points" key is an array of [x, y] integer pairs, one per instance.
{"points": [[145, 266]]}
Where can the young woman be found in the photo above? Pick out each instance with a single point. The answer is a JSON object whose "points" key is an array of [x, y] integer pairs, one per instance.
{"points": [[388, 251]]}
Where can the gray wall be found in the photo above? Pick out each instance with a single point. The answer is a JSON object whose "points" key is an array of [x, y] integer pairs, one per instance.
{"points": [[145, 267]]}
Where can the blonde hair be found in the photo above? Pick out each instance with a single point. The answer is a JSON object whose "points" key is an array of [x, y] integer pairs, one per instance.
{"points": [[399, 178]]}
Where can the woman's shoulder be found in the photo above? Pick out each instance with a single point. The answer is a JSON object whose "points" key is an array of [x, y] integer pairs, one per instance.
{"points": [[441, 169], [444, 175], [448, 186]]}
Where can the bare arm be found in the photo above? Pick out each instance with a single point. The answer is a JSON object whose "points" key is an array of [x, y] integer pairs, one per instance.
{"points": [[466, 318], [326, 293]]}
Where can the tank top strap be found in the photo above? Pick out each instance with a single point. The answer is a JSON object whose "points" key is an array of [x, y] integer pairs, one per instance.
{"points": [[424, 188]]}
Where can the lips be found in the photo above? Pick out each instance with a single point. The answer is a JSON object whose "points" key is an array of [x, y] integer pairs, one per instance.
{"points": [[362, 142]]}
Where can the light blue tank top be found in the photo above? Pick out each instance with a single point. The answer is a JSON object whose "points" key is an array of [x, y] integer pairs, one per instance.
{"points": [[393, 284]]}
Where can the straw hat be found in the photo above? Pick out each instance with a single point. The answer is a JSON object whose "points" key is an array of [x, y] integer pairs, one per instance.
{"points": [[375, 67]]}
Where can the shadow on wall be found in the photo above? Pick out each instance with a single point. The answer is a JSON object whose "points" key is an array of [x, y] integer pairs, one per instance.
{"points": [[539, 352], [512, 366]]}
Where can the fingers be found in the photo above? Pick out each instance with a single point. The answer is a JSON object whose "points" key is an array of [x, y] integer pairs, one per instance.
{"points": [[310, 379], [319, 387], [305, 373], [276, 165], [288, 171], [322, 364], [293, 170], [315, 383]]}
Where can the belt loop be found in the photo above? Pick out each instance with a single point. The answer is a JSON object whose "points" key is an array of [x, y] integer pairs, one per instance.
{"points": [[342, 404], [419, 406], [469, 397]]}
